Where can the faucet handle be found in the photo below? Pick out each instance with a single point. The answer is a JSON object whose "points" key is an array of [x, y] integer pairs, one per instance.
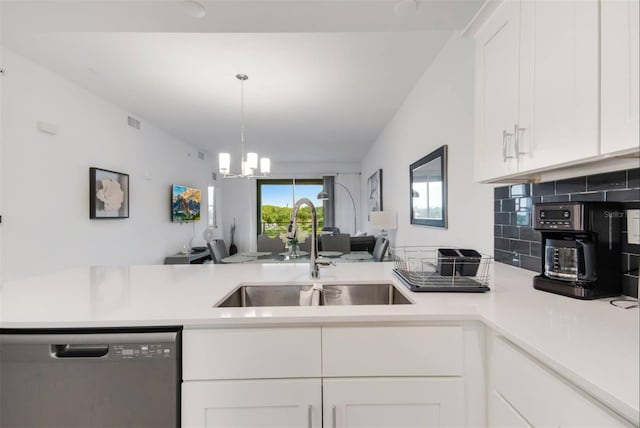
{"points": [[324, 262], [291, 231]]}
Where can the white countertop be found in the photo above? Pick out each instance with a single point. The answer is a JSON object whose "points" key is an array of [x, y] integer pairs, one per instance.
{"points": [[591, 343]]}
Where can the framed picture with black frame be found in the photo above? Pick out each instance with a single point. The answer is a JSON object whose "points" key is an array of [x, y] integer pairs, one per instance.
{"points": [[428, 189], [374, 192], [108, 194]]}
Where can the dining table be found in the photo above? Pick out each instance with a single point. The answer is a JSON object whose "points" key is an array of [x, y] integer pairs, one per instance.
{"points": [[302, 256]]}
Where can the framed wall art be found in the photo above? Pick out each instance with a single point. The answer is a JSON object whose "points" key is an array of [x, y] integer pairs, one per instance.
{"points": [[108, 194], [428, 189], [374, 192]]}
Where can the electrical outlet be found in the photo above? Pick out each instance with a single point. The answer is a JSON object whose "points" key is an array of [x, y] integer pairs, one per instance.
{"points": [[633, 227]]}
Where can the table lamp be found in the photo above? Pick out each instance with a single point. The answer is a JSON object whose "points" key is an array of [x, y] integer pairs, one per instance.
{"points": [[384, 221]]}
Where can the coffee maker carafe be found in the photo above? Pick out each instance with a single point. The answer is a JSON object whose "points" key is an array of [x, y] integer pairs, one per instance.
{"points": [[580, 249]]}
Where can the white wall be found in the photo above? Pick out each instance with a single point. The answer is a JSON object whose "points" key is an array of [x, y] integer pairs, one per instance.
{"points": [[45, 178], [239, 198], [1, 127], [438, 111]]}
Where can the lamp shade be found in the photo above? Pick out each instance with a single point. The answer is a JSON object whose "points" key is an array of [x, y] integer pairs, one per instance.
{"points": [[265, 165], [252, 160], [322, 196], [383, 220], [224, 162]]}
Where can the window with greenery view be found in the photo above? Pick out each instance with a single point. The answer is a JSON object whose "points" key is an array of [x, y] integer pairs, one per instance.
{"points": [[275, 202]]}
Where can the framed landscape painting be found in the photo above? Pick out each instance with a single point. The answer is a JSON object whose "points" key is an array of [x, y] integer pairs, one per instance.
{"points": [[374, 192], [108, 194]]}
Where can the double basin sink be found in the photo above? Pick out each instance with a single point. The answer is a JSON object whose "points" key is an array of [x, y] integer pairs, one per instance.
{"points": [[313, 295]]}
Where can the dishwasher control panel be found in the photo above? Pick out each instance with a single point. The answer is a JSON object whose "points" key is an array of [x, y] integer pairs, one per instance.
{"points": [[131, 351]]}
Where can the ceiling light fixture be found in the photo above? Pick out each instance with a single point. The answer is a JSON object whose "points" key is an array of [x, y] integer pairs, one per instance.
{"points": [[248, 163]]}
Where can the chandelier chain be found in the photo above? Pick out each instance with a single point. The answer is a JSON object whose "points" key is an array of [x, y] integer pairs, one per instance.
{"points": [[242, 154], [248, 161]]}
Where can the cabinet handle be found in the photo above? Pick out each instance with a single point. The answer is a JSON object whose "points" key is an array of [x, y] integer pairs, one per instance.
{"points": [[505, 135], [310, 416], [333, 416], [516, 132]]}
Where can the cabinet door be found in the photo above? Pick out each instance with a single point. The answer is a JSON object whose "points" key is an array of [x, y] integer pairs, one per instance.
{"points": [[538, 396], [252, 403], [352, 351], [559, 100], [393, 402], [218, 354], [497, 52], [619, 80]]}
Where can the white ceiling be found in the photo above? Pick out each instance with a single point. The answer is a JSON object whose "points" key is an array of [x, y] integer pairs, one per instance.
{"points": [[316, 91]]}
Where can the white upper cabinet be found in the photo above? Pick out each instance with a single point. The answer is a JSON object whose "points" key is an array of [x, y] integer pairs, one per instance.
{"points": [[558, 105], [545, 97], [619, 79], [497, 67]]}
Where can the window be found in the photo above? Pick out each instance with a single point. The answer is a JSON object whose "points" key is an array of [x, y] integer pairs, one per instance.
{"points": [[211, 207], [275, 202]]}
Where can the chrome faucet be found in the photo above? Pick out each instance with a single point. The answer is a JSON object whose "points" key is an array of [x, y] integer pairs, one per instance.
{"points": [[314, 260]]}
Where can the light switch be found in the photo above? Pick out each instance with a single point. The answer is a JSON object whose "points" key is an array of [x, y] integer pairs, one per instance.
{"points": [[633, 227]]}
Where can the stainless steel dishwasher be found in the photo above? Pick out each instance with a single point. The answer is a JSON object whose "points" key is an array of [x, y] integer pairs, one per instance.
{"points": [[90, 378]]}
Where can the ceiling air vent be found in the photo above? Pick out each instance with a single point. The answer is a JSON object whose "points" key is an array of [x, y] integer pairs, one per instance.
{"points": [[134, 123]]}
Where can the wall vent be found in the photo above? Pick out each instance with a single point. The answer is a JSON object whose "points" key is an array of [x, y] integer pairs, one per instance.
{"points": [[201, 155], [134, 123]]}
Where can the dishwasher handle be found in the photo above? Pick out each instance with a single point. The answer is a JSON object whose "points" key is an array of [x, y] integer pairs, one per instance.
{"points": [[79, 351]]}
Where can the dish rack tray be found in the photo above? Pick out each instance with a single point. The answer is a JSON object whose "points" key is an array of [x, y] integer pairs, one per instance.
{"points": [[442, 269]]}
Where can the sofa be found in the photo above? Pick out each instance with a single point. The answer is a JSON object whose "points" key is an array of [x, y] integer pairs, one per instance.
{"points": [[358, 243], [363, 243]]}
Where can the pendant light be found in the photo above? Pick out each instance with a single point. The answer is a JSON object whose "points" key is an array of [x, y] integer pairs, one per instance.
{"points": [[248, 162]]}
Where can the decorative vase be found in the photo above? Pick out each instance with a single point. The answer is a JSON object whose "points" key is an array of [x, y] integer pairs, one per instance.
{"points": [[232, 248], [293, 251]]}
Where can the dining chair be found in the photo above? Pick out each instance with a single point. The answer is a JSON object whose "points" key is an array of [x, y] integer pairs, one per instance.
{"points": [[274, 245], [218, 250], [339, 242], [380, 249], [306, 245]]}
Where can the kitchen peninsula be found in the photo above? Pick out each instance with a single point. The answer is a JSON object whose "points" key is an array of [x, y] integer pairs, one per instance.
{"points": [[590, 347]]}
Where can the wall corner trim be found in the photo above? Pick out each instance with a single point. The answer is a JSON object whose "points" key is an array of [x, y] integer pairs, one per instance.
{"points": [[480, 18]]}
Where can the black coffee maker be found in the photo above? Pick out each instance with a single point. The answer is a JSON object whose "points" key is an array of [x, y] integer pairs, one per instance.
{"points": [[581, 246]]}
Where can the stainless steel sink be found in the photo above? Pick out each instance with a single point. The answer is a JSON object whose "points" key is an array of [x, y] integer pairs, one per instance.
{"points": [[268, 295], [362, 294], [329, 295]]}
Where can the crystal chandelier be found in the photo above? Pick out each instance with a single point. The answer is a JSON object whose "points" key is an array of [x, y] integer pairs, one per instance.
{"points": [[248, 163]]}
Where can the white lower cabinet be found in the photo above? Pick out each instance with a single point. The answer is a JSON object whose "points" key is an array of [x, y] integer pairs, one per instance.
{"points": [[393, 402], [302, 403], [334, 376], [252, 403], [524, 392]]}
